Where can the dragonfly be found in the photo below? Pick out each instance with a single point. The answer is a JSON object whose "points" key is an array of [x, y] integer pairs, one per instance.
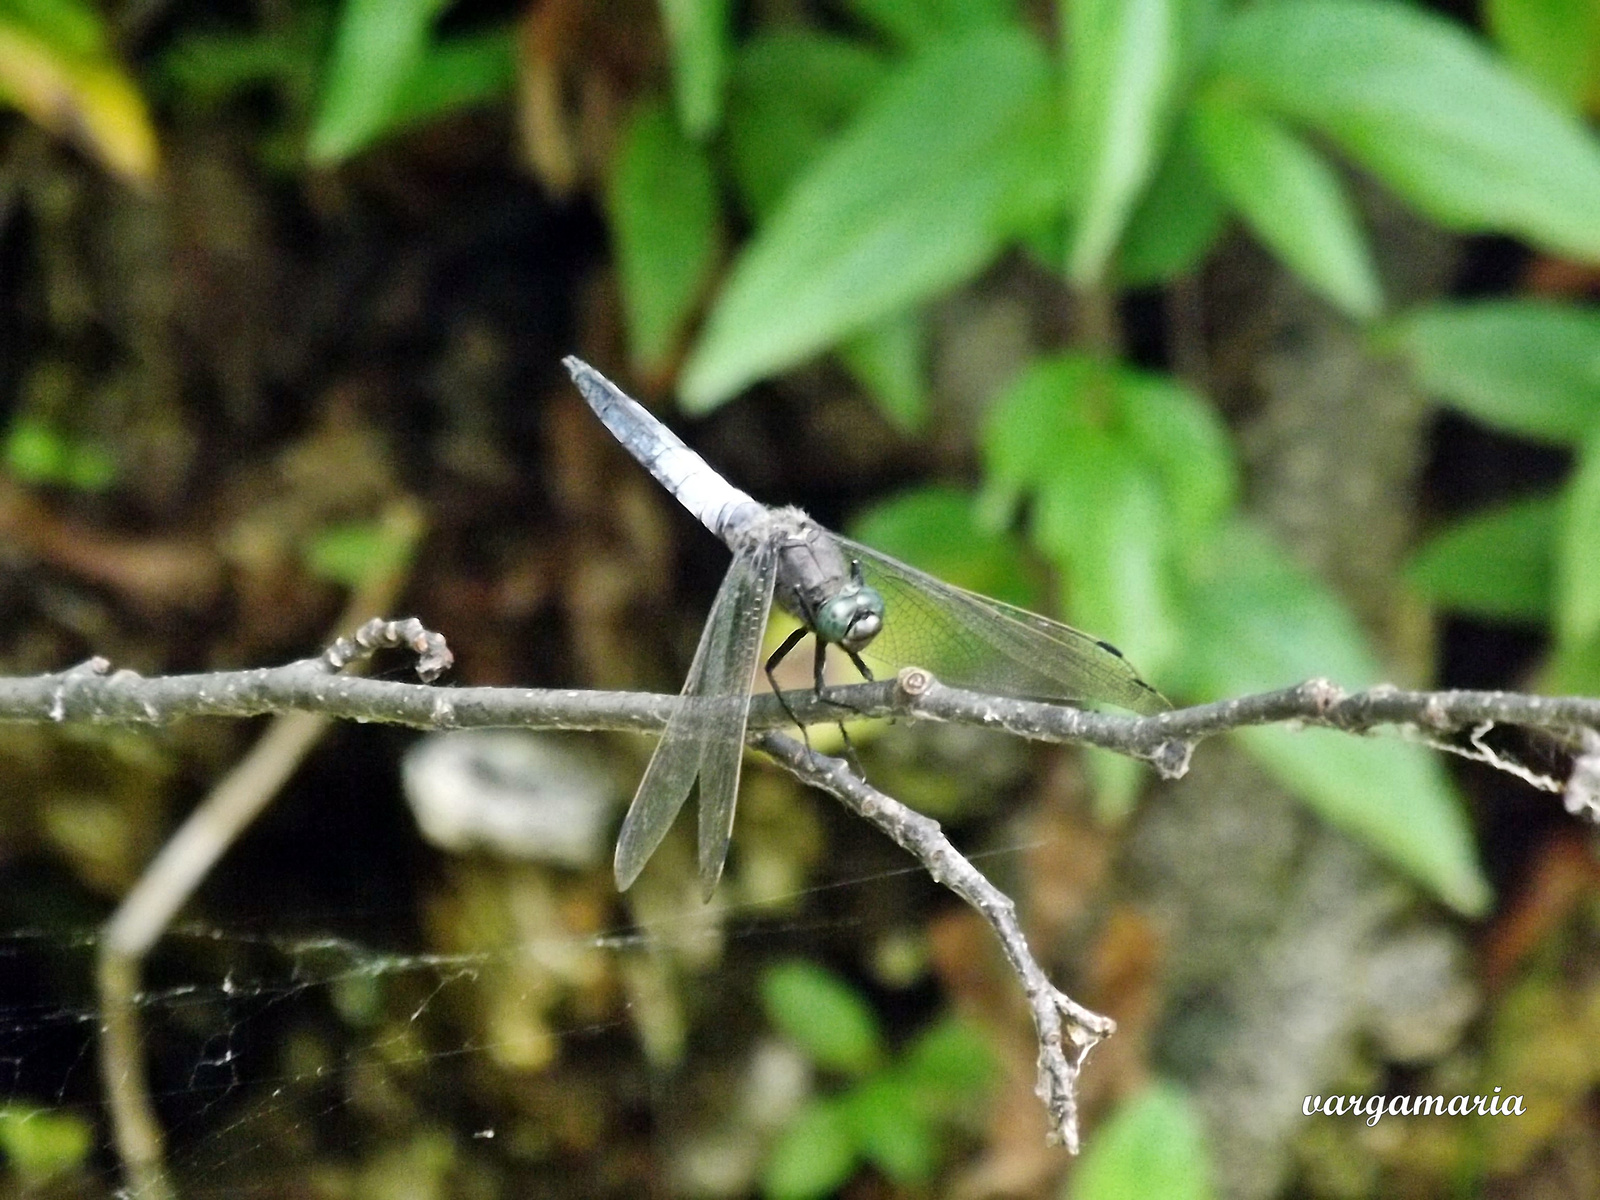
{"points": [[874, 608]]}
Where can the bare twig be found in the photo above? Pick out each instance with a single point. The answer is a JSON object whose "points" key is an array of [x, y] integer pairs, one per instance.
{"points": [[316, 691], [1061, 1050]]}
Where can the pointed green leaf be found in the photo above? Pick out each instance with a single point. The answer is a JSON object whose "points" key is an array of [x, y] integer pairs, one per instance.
{"points": [[457, 73], [936, 530], [792, 92], [1122, 76], [377, 47], [945, 165], [697, 31], [1182, 438], [1424, 106], [1152, 1146], [915, 24], [1290, 198], [1578, 560], [663, 208], [892, 1130], [1179, 219], [1555, 43], [887, 359], [1529, 367], [1498, 563], [1254, 622]]}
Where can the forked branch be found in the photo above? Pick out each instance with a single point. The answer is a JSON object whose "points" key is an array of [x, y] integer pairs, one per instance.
{"points": [[93, 692]]}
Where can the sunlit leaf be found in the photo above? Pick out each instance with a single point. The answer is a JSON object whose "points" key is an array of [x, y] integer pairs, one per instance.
{"points": [[1498, 563], [887, 359], [1153, 1145], [1421, 104], [935, 529], [813, 1156], [792, 91], [913, 24], [951, 1064], [1290, 198], [40, 1145], [823, 1015], [1181, 436], [61, 76], [377, 47], [663, 207], [1178, 220], [697, 31], [1253, 621], [1578, 551], [1555, 43], [355, 553], [892, 1130], [946, 163], [1529, 367], [458, 73], [1123, 72]]}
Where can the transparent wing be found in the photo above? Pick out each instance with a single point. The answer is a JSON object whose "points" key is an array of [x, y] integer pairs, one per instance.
{"points": [[972, 641], [705, 736]]}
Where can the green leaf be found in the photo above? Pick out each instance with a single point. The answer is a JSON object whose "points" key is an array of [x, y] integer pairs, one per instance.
{"points": [[1529, 367], [813, 1156], [697, 31], [56, 68], [950, 1065], [1578, 551], [823, 1015], [946, 164], [1555, 43], [1101, 517], [377, 48], [73, 27], [1498, 563], [891, 1129], [915, 24], [887, 359], [663, 209], [1425, 107], [1254, 622], [355, 553], [1122, 76], [1180, 435], [1179, 219], [1290, 198], [1153, 1146], [792, 92], [40, 1145], [936, 530], [461, 72]]}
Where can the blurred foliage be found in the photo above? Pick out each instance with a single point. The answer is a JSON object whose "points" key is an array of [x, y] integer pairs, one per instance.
{"points": [[891, 1113], [1151, 1146], [41, 1145], [57, 66]]}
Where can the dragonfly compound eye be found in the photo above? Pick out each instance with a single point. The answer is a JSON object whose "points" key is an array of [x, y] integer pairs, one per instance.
{"points": [[852, 618]]}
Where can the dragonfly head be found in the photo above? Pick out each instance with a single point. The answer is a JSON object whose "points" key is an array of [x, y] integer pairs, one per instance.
{"points": [[854, 616]]}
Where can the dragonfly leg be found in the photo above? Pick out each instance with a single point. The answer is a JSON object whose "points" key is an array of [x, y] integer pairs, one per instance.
{"points": [[821, 689], [778, 655]]}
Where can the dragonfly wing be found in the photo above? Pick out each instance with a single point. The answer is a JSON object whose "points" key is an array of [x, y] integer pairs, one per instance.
{"points": [[977, 642], [729, 670], [706, 731]]}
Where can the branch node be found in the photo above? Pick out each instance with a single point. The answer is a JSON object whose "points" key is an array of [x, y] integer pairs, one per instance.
{"points": [[1582, 795], [433, 655]]}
